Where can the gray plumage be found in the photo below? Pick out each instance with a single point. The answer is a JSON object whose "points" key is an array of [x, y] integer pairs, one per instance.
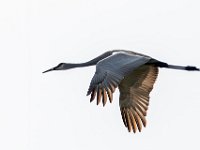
{"points": [[133, 73]]}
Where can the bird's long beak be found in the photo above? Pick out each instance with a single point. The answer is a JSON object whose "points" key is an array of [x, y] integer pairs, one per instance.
{"points": [[49, 70]]}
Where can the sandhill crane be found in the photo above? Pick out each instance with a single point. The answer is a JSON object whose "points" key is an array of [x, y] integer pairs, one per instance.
{"points": [[133, 73]]}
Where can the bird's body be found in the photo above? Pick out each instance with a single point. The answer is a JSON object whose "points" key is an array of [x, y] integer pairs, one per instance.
{"points": [[133, 73]]}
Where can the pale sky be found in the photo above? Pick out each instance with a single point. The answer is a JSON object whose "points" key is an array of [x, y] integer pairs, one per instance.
{"points": [[51, 111]]}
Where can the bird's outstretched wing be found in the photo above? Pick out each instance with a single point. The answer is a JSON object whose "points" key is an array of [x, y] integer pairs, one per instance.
{"points": [[110, 72], [134, 96]]}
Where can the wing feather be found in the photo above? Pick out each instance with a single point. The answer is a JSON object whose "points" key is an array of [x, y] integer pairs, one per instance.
{"points": [[133, 122], [134, 94], [123, 116], [99, 95], [104, 97], [93, 95], [128, 120]]}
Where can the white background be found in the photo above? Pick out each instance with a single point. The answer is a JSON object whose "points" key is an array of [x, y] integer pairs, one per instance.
{"points": [[51, 111]]}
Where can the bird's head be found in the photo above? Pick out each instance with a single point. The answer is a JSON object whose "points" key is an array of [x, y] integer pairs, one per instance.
{"points": [[61, 66]]}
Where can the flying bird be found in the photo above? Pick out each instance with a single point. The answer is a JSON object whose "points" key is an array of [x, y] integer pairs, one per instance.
{"points": [[133, 73]]}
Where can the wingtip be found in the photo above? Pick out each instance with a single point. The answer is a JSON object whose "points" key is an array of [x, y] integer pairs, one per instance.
{"points": [[88, 93]]}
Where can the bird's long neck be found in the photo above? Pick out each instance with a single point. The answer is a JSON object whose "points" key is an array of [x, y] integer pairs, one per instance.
{"points": [[77, 65], [93, 61]]}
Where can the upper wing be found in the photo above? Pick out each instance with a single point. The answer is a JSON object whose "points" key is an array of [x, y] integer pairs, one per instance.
{"points": [[134, 96], [109, 73]]}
